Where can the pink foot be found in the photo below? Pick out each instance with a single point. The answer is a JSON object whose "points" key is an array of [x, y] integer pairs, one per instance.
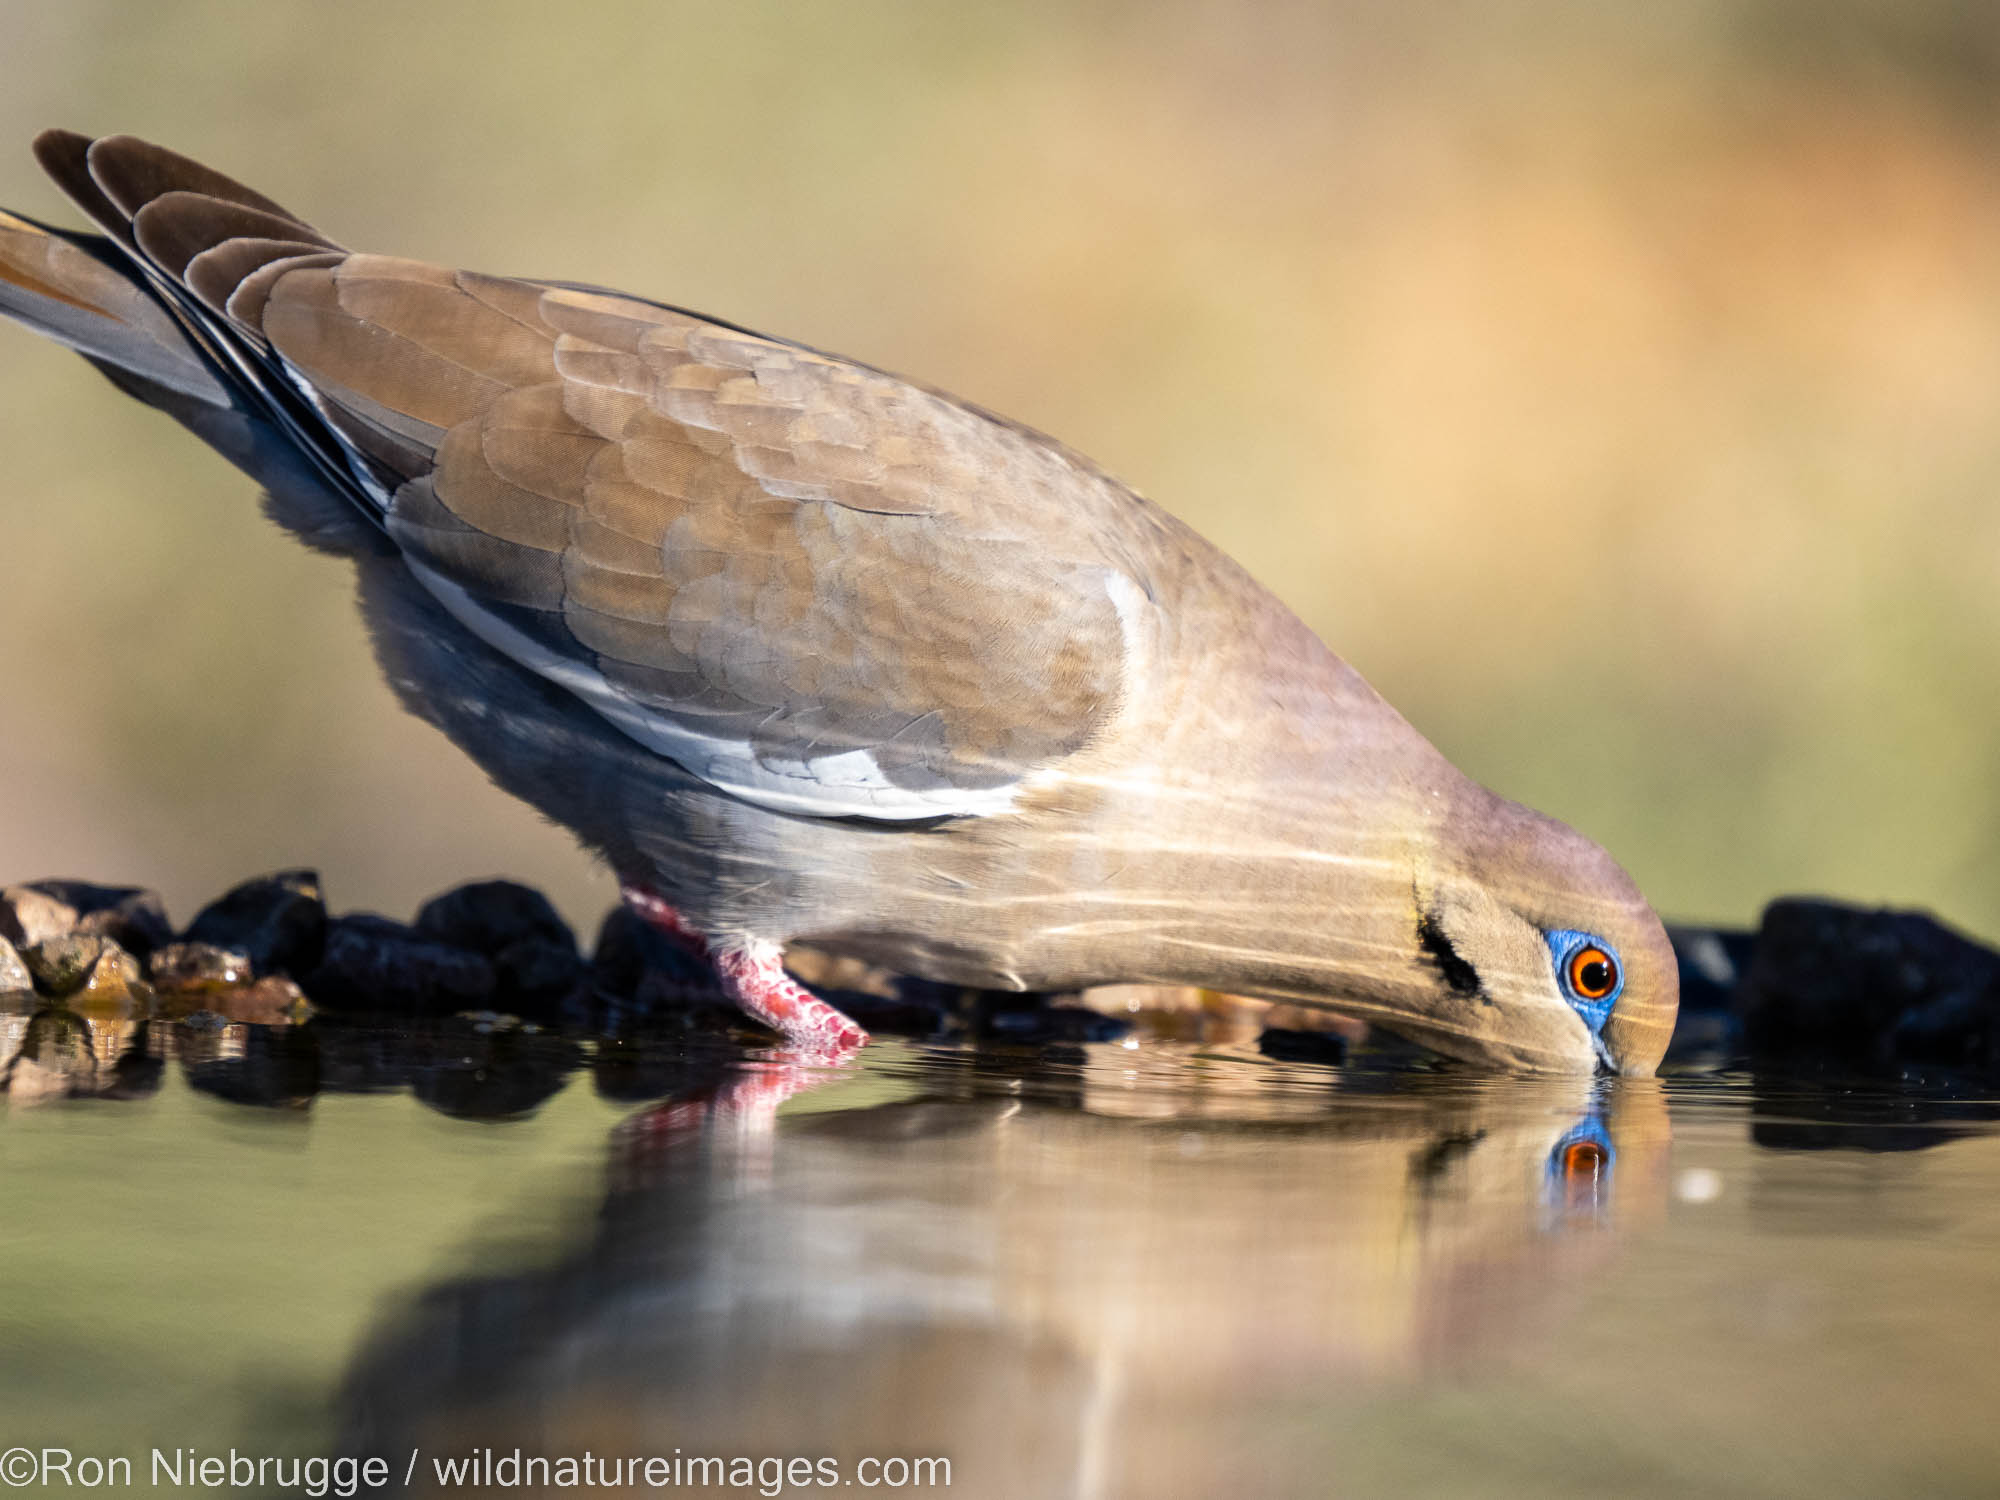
{"points": [[753, 975]]}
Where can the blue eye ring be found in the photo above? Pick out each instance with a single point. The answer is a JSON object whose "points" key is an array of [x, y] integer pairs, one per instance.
{"points": [[1589, 973]]}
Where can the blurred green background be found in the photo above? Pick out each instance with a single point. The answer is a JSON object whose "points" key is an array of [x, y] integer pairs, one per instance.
{"points": [[1618, 387]]}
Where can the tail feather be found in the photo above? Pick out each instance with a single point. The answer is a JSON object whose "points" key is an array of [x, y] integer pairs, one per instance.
{"points": [[80, 291], [148, 302], [192, 244], [174, 228], [112, 177], [65, 156], [133, 173]]}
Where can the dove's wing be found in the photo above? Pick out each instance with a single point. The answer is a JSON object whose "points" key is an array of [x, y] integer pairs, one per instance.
{"points": [[814, 585]]}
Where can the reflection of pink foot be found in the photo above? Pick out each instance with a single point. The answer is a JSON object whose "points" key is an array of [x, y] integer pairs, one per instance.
{"points": [[737, 1118], [753, 975], [745, 1102]]}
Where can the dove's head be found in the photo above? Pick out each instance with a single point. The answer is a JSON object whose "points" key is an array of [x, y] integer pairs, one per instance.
{"points": [[1534, 947]]}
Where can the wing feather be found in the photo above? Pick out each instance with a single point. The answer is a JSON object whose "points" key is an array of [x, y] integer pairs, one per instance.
{"points": [[818, 586]]}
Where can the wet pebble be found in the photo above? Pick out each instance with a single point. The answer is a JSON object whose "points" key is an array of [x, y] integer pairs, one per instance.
{"points": [[14, 976], [277, 921], [272, 1001], [131, 916], [375, 964], [180, 967], [30, 915], [63, 965], [115, 979]]}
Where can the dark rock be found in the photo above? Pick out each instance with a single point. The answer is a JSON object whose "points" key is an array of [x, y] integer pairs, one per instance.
{"points": [[955, 998], [278, 1068], [1027, 1016], [1302, 1046], [662, 1006], [534, 975], [1876, 987], [14, 976], [180, 967], [370, 963], [488, 916], [30, 915], [897, 1015], [1712, 962], [532, 949], [131, 916], [277, 921], [638, 976], [628, 949]]}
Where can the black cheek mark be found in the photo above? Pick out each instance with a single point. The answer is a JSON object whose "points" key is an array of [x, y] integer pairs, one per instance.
{"points": [[1458, 974]]}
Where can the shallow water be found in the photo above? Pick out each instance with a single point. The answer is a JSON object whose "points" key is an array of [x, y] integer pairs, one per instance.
{"points": [[1139, 1268]]}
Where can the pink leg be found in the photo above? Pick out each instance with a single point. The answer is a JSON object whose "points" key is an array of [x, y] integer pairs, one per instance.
{"points": [[753, 975]]}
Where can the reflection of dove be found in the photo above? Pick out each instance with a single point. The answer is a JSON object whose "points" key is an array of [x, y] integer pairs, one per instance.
{"points": [[1062, 1302], [810, 652]]}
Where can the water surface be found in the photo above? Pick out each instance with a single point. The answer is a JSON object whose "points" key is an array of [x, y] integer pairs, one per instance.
{"points": [[1138, 1268]]}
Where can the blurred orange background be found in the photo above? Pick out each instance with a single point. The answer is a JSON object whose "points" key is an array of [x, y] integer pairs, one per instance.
{"points": [[1619, 390]]}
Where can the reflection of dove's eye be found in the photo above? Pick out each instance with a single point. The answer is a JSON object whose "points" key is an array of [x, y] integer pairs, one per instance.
{"points": [[1593, 973], [1584, 1159]]}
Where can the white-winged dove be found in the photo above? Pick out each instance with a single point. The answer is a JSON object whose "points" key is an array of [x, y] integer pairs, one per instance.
{"points": [[809, 652]]}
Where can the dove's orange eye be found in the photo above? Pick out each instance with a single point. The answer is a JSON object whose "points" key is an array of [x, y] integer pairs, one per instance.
{"points": [[1593, 973], [1584, 1159]]}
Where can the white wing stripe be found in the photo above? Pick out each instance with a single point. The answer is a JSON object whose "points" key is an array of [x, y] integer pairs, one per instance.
{"points": [[847, 785]]}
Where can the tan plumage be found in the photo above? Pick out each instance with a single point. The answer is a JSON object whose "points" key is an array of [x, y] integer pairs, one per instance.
{"points": [[816, 652]]}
